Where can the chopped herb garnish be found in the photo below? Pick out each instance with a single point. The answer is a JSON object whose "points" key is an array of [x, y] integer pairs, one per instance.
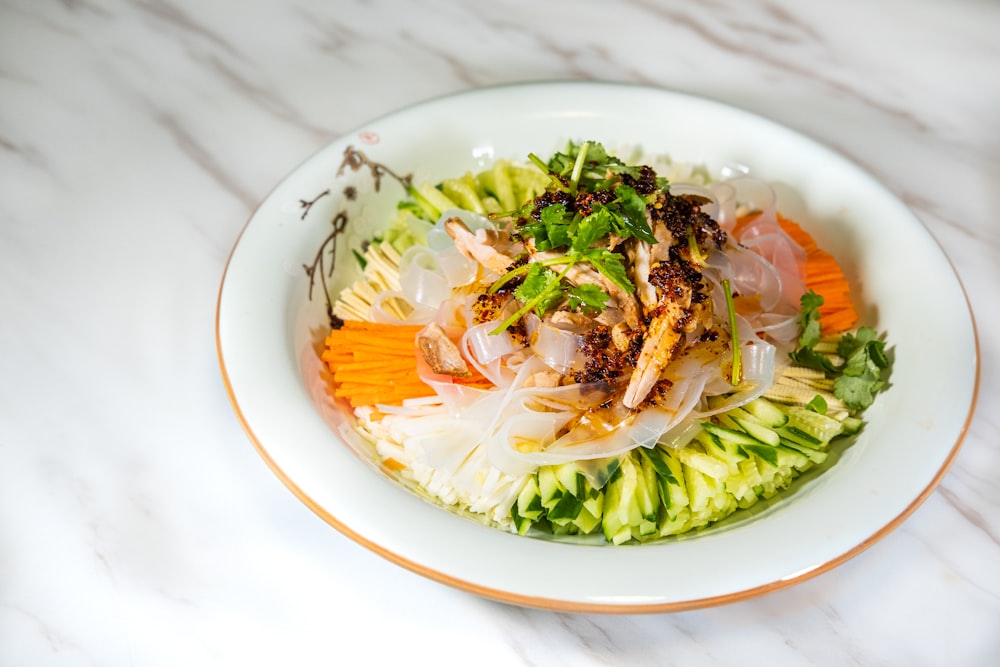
{"points": [[693, 250], [817, 404], [539, 282], [540, 290], [632, 213], [586, 203], [736, 375], [859, 376], [809, 319], [595, 226], [610, 265], [581, 159], [588, 299]]}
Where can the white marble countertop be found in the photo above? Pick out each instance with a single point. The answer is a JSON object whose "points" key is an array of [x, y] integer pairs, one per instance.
{"points": [[138, 526]]}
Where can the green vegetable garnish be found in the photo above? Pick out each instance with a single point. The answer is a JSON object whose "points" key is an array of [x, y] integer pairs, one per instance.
{"points": [[809, 319], [632, 213], [589, 299], [695, 252], [817, 404], [581, 158], [541, 289], [860, 375], [865, 360], [608, 206], [737, 371]]}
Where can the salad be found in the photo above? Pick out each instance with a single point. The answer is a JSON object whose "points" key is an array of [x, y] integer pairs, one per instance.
{"points": [[588, 345]]}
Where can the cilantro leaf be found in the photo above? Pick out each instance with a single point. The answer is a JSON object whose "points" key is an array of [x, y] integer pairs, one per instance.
{"points": [[851, 343], [632, 209], [610, 265], [809, 319], [864, 359], [589, 299], [859, 376], [596, 167], [550, 230], [808, 358], [866, 340], [855, 391], [540, 289], [547, 301], [590, 229], [557, 232], [536, 282]]}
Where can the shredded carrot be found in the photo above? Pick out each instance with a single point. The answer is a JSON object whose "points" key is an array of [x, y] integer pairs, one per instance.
{"points": [[823, 276], [377, 363]]}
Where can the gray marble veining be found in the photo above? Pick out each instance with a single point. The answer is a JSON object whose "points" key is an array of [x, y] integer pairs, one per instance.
{"points": [[137, 525]]}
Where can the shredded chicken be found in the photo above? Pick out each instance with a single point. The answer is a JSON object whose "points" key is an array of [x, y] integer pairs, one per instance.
{"points": [[440, 353], [636, 336], [479, 246]]}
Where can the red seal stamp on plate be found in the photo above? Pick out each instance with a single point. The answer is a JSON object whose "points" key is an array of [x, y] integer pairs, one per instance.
{"points": [[370, 138]]}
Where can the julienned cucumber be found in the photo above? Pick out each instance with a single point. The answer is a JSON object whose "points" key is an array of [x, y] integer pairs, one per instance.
{"points": [[743, 456], [499, 190]]}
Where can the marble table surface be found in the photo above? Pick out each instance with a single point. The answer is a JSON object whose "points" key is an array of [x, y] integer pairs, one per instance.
{"points": [[138, 526]]}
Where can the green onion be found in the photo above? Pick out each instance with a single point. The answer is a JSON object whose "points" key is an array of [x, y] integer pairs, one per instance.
{"points": [[554, 178], [581, 159], [737, 373], [693, 248]]}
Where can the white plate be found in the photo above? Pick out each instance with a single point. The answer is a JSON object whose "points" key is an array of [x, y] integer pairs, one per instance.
{"points": [[266, 326]]}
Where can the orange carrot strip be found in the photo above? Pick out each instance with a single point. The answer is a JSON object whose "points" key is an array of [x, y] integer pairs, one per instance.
{"points": [[352, 367], [371, 362], [825, 277]]}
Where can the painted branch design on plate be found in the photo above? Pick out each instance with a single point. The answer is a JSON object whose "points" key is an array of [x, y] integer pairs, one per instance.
{"points": [[326, 254]]}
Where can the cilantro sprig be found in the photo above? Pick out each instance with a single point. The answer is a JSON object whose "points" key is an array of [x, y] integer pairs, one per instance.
{"points": [[596, 169], [860, 375], [588, 169], [540, 290]]}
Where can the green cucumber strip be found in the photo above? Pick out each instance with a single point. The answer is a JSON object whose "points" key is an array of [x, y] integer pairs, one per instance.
{"points": [[462, 193], [594, 503], [732, 435], [549, 488], [529, 501], [815, 455], [757, 431], [648, 490], [763, 452], [566, 510], [703, 463], [656, 458], [800, 437], [586, 521], [521, 524], [851, 425], [570, 477], [819, 426], [766, 412], [791, 459], [725, 450], [432, 201]]}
